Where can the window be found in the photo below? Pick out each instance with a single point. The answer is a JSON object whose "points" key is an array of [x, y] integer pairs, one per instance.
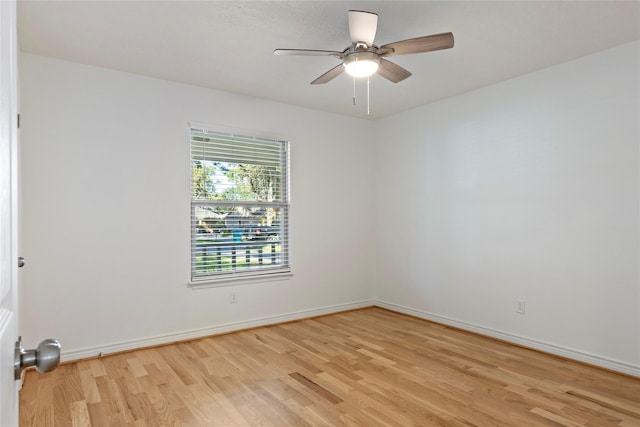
{"points": [[239, 206]]}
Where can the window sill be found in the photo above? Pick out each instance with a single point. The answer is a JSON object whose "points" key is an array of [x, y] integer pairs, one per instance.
{"points": [[240, 279]]}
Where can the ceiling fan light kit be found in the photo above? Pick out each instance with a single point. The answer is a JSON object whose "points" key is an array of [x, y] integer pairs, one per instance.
{"points": [[361, 64]]}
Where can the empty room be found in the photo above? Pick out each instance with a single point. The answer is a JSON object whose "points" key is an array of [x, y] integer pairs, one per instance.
{"points": [[320, 213]]}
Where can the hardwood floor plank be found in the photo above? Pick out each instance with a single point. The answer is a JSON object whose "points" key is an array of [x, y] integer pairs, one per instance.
{"points": [[319, 390], [89, 386], [80, 414], [289, 417], [95, 365], [368, 367], [98, 414], [620, 406], [136, 366]]}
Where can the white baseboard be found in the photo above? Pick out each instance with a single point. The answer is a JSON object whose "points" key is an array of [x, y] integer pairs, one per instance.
{"points": [[89, 352], [569, 353]]}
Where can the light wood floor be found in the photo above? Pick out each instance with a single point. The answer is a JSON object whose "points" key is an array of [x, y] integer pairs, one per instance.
{"points": [[368, 367]]}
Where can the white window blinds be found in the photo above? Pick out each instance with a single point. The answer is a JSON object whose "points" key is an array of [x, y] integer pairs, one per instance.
{"points": [[239, 206]]}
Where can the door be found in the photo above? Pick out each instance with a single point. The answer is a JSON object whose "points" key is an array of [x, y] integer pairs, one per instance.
{"points": [[8, 213]]}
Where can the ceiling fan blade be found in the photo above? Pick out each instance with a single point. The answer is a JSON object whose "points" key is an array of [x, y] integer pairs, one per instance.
{"points": [[418, 45], [363, 26], [308, 52], [329, 75], [392, 72]]}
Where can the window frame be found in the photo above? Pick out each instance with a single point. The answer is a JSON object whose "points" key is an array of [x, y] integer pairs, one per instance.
{"points": [[242, 248]]}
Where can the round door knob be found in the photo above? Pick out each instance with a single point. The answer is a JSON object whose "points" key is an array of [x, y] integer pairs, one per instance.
{"points": [[21, 261], [45, 358], [48, 355]]}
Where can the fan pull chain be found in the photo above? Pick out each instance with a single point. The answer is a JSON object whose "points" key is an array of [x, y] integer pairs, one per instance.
{"points": [[368, 97], [368, 111], [354, 91]]}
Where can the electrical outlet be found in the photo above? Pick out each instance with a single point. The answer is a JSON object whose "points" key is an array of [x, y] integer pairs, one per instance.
{"points": [[520, 306], [233, 298]]}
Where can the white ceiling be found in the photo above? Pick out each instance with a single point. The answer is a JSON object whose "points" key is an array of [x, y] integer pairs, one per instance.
{"points": [[228, 45]]}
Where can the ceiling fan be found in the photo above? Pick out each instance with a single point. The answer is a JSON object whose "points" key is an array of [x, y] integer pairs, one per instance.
{"points": [[363, 59]]}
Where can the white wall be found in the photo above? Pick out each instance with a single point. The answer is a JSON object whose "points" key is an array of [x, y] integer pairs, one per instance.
{"points": [[105, 209], [528, 189]]}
